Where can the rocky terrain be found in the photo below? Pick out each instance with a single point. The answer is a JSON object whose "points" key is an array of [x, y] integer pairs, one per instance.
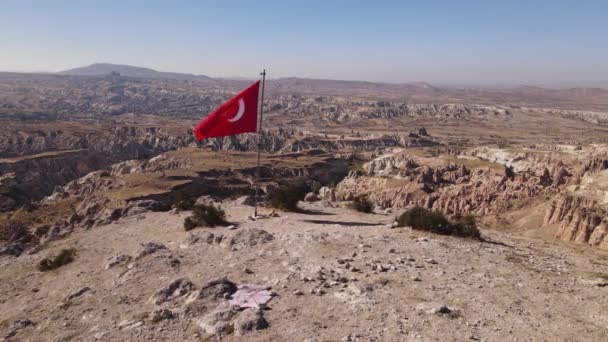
{"points": [[336, 275], [95, 170]]}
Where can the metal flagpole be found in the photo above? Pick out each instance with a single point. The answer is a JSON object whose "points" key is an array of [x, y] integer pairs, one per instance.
{"points": [[257, 180]]}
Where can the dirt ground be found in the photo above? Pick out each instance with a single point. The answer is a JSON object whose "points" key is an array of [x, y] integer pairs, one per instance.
{"points": [[338, 275]]}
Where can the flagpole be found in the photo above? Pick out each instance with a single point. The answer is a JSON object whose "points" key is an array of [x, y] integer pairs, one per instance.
{"points": [[257, 180]]}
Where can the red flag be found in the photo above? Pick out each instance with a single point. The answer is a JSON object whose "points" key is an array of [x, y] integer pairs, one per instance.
{"points": [[237, 115]]}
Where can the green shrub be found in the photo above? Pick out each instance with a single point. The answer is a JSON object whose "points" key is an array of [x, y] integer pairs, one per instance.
{"points": [[205, 215], [362, 204], [287, 197], [64, 257], [435, 222], [423, 219]]}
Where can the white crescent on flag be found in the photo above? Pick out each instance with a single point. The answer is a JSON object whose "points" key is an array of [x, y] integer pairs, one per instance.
{"points": [[240, 112]]}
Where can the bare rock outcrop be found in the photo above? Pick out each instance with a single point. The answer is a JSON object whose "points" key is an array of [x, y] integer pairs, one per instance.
{"points": [[398, 179], [581, 220]]}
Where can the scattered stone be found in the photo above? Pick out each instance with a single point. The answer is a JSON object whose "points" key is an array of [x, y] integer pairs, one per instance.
{"points": [[76, 293], [298, 293], [12, 249], [100, 335], [161, 315], [149, 248], [443, 309], [117, 260], [175, 289], [248, 271], [231, 227], [317, 291], [19, 324], [129, 324], [311, 197], [217, 289], [395, 224], [249, 320], [327, 194], [219, 320], [431, 261], [248, 238], [245, 200], [392, 250]]}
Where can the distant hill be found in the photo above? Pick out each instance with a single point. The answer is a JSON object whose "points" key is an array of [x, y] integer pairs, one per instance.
{"points": [[101, 69]]}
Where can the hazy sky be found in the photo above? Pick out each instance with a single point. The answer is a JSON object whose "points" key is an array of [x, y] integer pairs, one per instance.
{"points": [[548, 42]]}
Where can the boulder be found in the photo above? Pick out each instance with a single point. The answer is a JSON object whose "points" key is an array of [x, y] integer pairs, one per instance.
{"points": [[175, 289], [216, 289], [149, 248], [245, 200], [327, 194], [249, 320], [12, 249], [161, 315], [219, 320], [116, 260], [19, 324], [77, 293], [311, 197]]}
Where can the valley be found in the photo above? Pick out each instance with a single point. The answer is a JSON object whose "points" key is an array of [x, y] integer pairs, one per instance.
{"points": [[102, 164]]}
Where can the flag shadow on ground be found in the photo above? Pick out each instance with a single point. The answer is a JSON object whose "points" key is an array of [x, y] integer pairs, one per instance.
{"points": [[344, 223]]}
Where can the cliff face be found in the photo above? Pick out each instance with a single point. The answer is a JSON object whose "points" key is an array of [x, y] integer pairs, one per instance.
{"points": [[33, 178], [447, 184], [335, 109], [128, 142], [581, 220]]}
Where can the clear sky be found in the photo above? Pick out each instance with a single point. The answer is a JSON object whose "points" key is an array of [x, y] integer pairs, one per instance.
{"points": [[488, 42]]}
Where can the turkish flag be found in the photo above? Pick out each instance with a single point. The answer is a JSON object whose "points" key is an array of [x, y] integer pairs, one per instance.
{"points": [[237, 115]]}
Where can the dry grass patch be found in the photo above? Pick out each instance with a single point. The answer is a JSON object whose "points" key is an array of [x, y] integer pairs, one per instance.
{"points": [[205, 215], [64, 257]]}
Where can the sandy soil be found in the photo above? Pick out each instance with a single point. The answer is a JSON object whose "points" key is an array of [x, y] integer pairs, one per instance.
{"points": [[380, 284]]}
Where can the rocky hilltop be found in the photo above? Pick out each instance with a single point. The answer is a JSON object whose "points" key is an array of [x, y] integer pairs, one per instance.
{"points": [[329, 273]]}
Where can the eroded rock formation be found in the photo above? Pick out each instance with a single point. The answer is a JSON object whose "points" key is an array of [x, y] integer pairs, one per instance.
{"points": [[581, 220], [398, 179]]}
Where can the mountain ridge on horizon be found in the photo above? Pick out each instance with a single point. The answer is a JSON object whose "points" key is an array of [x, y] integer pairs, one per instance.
{"points": [[103, 69]]}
